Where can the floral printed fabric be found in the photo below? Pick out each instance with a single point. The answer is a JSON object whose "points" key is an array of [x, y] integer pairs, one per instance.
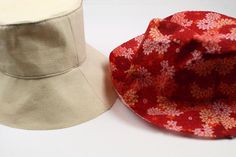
{"points": [[180, 74]]}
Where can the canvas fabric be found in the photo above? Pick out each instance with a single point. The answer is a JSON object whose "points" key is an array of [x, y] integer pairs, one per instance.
{"points": [[49, 77]]}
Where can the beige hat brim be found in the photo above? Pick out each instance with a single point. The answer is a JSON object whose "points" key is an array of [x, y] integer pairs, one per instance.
{"points": [[60, 101]]}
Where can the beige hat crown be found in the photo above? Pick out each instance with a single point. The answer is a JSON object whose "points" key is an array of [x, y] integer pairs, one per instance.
{"points": [[50, 77], [45, 48]]}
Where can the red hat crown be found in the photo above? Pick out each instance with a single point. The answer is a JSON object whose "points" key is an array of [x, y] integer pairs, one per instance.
{"points": [[187, 60], [180, 74]]}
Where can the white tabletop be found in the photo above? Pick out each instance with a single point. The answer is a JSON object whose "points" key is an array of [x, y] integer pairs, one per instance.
{"points": [[118, 132]]}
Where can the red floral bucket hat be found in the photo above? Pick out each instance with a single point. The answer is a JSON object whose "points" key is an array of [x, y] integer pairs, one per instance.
{"points": [[181, 74]]}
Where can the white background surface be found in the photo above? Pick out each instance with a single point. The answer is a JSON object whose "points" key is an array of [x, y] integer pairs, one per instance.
{"points": [[118, 132]]}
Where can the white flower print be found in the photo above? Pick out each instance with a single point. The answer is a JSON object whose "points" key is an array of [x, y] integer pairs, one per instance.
{"points": [[164, 108], [131, 97], [149, 46], [166, 69], [210, 40], [139, 40], [228, 122], [172, 112], [154, 111], [143, 77], [209, 117], [210, 36], [172, 125], [206, 24], [220, 114], [221, 109], [223, 22], [232, 35], [212, 47], [158, 36], [224, 111], [162, 48], [209, 22], [213, 16], [196, 55], [127, 53], [157, 21], [205, 131], [180, 19]]}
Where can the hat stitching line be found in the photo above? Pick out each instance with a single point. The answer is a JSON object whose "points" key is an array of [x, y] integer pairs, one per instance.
{"points": [[100, 99], [44, 76], [72, 33], [45, 20]]}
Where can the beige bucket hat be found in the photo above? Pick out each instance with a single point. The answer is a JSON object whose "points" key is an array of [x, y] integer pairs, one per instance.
{"points": [[49, 77]]}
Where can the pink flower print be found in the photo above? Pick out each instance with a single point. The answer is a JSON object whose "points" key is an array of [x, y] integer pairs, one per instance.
{"points": [[130, 97], [180, 19], [209, 22], [213, 16], [127, 53], [228, 122], [158, 36], [143, 77], [160, 42], [166, 69], [210, 36], [149, 46], [124, 52], [206, 24], [170, 111], [196, 55], [139, 40], [172, 125], [212, 47], [165, 107], [205, 131], [232, 35], [224, 22], [221, 109]]}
